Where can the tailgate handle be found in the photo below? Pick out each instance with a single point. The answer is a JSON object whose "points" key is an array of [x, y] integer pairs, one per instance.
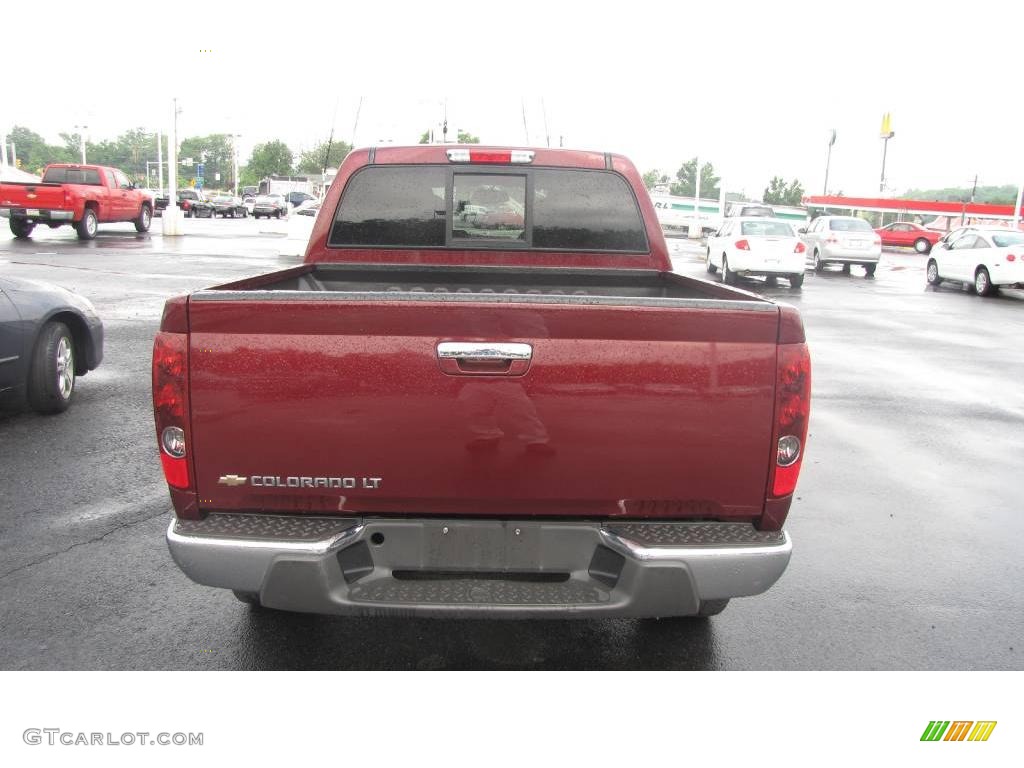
{"points": [[482, 358]]}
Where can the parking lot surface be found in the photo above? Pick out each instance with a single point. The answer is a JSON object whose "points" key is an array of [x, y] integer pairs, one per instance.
{"points": [[906, 529]]}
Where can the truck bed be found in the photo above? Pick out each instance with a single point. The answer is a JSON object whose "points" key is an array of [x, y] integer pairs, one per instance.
{"points": [[488, 284]]}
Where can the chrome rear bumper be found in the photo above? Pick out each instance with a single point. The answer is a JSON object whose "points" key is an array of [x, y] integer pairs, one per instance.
{"points": [[512, 568]]}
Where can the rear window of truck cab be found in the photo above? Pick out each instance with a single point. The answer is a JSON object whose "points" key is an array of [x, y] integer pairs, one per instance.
{"points": [[71, 176], [438, 206]]}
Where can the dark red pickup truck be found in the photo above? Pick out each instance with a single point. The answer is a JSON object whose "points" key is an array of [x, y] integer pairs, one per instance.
{"points": [[485, 392], [84, 196]]}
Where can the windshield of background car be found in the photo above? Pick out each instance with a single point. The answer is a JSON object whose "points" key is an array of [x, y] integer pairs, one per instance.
{"points": [[766, 229], [1011, 238], [438, 206], [849, 225], [71, 176], [758, 211]]}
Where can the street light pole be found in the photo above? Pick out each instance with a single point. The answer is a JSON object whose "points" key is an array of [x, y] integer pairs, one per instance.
{"points": [[886, 133], [828, 160], [172, 216], [695, 230], [234, 146], [1016, 207], [159, 161], [81, 139]]}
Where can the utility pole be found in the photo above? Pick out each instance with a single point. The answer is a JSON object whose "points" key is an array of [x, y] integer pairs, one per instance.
{"points": [[828, 160], [975, 187], [526, 131], [544, 111], [14, 157], [355, 126]]}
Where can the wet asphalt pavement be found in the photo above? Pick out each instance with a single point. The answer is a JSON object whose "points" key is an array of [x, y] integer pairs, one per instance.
{"points": [[907, 529]]}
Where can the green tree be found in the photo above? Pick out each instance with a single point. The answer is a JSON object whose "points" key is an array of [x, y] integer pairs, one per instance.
{"points": [[775, 191], [794, 193], [654, 177], [216, 153], [34, 153], [268, 159], [686, 176], [425, 138], [1001, 195], [313, 160], [778, 192]]}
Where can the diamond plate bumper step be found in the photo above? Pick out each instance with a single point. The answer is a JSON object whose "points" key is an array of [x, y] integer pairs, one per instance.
{"points": [[431, 567]]}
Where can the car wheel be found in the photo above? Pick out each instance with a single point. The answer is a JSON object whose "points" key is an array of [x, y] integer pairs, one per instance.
{"points": [[277, 214], [145, 219], [795, 281], [88, 225], [249, 598], [933, 273], [869, 270], [245, 214], [728, 276], [819, 265], [51, 376], [846, 269], [921, 245], [22, 228], [983, 283], [770, 280], [707, 263]]}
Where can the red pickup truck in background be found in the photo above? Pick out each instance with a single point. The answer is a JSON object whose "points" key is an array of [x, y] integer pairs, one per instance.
{"points": [[84, 196], [453, 410]]}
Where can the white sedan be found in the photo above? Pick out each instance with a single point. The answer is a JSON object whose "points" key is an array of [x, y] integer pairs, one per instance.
{"points": [[756, 246], [984, 258]]}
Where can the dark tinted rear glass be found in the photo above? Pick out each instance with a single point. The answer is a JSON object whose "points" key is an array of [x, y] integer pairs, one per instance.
{"points": [[757, 210], [568, 210], [587, 211], [393, 207], [72, 176]]}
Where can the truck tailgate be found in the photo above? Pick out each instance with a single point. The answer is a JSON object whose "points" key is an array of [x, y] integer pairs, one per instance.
{"points": [[344, 406], [31, 195]]}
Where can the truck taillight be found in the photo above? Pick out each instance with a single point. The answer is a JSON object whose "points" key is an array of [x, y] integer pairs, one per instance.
{"points": [[792, 411], [490, 156], [170, 405], [800, 247], [1010, 257], [742, 245]]}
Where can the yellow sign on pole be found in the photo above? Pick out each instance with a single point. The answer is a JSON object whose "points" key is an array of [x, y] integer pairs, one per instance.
{"points": [[887, 132]]}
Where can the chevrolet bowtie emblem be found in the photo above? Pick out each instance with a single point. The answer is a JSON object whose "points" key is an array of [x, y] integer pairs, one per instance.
{"points": [[231, 480]]}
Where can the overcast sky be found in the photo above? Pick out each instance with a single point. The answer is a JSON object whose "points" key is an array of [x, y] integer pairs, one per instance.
{"points": [[753, 87]]}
